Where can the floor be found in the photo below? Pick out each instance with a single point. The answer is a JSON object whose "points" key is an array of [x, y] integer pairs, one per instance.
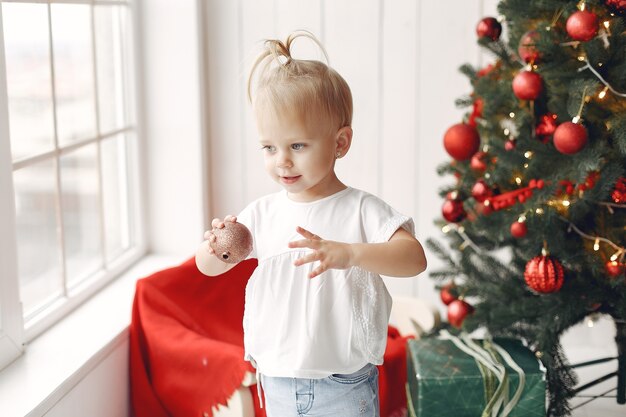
{"points": [[588, 341]]}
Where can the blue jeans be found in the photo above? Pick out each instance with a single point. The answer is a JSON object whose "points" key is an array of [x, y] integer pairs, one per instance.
{"points": [[352, 395]]}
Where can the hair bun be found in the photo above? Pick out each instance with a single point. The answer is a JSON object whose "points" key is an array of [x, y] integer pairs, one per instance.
{"points": [[279, 50]]}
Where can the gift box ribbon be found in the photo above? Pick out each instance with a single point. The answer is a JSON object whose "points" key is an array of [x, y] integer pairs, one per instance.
{"points": [[490, 359]]}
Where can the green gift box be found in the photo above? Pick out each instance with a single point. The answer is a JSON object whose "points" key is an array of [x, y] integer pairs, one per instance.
{"points": [[444, 380]]}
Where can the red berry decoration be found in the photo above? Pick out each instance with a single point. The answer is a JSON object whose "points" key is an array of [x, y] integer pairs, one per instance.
{"points": [[616, 6], [527, 85], [527, 49], [490, 28], [619, 193], [457, 311], [546, 127], [481, 191], [582, 25], [446, 293], [570, 138], [453, 211], [461, 141], [544, 274], [519, 229], [614, 269]]}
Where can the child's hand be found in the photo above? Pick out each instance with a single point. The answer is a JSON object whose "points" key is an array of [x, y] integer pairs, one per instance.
{"points": [[217, 224], [331, 255]]}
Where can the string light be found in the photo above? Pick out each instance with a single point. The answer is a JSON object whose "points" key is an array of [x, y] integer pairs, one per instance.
{"points": [[511, 115], [596, 239], [602, 93], [466, 240], [588, 66], [539, 211], [518, 180], [528, 154]]}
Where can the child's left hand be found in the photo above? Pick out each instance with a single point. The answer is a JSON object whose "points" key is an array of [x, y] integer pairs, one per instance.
{"points": [[330, 254]]}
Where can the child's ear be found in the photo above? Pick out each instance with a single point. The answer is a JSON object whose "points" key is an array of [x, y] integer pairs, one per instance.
{"points": [[344, 140]]}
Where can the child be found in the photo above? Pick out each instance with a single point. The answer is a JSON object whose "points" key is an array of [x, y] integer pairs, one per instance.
{"points": [[316, 309]]}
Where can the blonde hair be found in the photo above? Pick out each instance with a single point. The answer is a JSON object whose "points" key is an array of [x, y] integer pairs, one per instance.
{"points": [[310, 88]]}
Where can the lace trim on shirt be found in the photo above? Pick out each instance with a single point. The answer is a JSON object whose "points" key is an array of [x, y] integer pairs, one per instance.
{"points": [[391, 226], [370, 309]]}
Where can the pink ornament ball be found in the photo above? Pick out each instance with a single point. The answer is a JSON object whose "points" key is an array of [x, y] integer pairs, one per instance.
{"points": [[233, 242]]}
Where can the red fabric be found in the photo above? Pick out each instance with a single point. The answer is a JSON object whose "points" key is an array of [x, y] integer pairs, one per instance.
{"points": [[186, 345]]}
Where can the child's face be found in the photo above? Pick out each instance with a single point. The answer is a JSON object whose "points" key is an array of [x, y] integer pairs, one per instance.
{"points": [[301, 160]]}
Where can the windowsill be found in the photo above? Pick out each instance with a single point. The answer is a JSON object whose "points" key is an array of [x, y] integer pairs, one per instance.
{"points": [[58, 359]]}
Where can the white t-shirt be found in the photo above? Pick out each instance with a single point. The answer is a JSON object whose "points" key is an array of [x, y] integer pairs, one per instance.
{"points": [[295, 326]]}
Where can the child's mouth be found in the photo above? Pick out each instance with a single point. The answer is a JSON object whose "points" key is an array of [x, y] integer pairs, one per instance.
{"points": [[289, 180]]}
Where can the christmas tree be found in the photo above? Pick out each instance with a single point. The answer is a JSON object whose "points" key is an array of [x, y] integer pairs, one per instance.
{"points": [[535, 217]]}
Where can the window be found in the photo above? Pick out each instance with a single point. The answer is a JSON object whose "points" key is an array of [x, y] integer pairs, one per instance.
{"points": [[69, 159]]}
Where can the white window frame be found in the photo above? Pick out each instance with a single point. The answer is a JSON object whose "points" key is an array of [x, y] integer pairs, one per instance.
{"points": [[15, 332]]}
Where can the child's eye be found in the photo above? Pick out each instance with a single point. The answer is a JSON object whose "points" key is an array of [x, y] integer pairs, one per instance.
{"points": [[297, 146], [268, 148]]}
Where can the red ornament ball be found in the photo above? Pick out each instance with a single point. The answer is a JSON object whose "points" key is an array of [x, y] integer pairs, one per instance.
{"points": [[544, 274], [527, 85], [527, 49], [484, 209], [519, 229], [461, 141], [614, 269], [582, 25], [481, 191], [453, 211], [477, 162], [489, 27], [233, 242], [446, 293], [570, 138], [457, 311]]}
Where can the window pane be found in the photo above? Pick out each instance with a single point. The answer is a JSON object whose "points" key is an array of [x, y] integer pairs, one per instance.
{"points": [[37, 240], [128, 51], [81, 213], [115, 192], [29, 82], [109, 68], [73, 72]]}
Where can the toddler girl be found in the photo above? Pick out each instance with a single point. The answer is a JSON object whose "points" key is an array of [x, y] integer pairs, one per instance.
{"points": [[316, 308]]}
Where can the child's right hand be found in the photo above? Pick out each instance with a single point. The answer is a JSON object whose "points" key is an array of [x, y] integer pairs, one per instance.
{"points": [[206, 260], [217, 223]]}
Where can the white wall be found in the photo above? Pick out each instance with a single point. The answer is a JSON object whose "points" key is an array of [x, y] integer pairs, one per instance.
{"points": [[173, 125], [401, 59]]}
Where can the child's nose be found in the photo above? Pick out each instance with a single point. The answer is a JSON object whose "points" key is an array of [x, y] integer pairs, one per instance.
{"points": [[283, 160]]}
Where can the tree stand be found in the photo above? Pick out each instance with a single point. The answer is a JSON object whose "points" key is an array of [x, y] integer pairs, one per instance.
{"points": [[620, 340]]}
